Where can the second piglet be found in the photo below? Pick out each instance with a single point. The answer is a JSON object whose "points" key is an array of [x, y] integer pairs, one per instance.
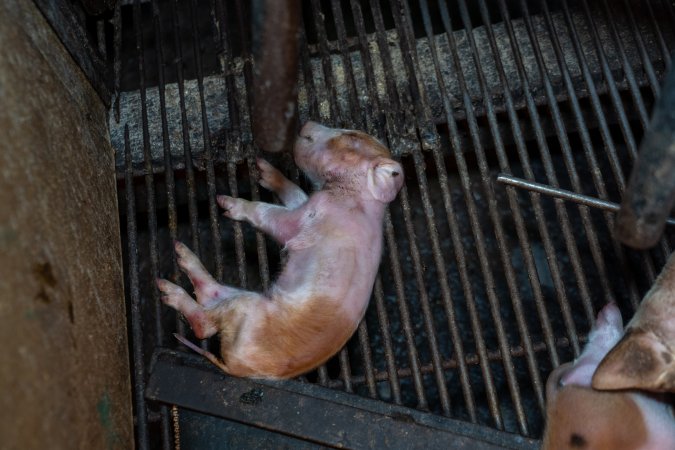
{"points": [[581, 418], [333, 245]]}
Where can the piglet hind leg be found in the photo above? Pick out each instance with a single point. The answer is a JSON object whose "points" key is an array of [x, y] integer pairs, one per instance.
{"points": [[200, 320], [208, 291]]}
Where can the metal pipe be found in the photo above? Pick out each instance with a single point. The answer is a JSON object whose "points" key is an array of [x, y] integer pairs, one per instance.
{"points": [[651, 190], [561, 193], [276, 26]]}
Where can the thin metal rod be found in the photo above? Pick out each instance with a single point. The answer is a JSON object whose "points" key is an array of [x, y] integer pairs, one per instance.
{"points": [[150, 197], [469, 360], [562, 193], [135, 303], [208, 154]]}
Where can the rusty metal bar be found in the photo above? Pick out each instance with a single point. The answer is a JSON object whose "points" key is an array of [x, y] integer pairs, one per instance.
{"points": [[274, 113], [469, 360], [138, 375], [646, 60], [152, 214], [208, 156], [650, 195], [383, 319]]}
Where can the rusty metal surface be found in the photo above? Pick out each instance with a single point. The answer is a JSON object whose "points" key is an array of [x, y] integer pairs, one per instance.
{"points": [[483, 288], [650, 194], [64, 368], [276, 43]]}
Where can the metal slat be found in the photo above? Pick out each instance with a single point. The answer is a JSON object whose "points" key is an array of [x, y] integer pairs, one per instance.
{"points": [[152, 215]]}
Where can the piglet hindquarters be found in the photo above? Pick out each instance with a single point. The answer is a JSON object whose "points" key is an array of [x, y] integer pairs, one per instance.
{"points": [[333, 241]]}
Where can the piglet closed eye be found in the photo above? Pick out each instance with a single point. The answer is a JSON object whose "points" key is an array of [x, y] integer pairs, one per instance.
{"points": [[579, 417], [333, 241]]}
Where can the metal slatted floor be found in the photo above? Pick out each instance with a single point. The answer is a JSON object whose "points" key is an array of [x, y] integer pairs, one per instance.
{"points": [[483, 288]]}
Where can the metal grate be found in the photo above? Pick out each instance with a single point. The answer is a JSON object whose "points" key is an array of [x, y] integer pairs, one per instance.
{"points": [[483, 288]]}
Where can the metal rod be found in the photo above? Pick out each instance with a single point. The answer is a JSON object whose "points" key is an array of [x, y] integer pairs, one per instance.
{"points": [[138, 362], [562, 193], [152, 214]]}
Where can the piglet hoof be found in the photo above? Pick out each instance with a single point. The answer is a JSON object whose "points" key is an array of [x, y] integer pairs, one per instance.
{"points": [[234, 207], [171, 292], [186, 260], [270, 178]]}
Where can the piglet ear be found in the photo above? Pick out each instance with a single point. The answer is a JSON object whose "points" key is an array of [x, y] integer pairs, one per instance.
{"points": [[639, 361], [385, 178]]}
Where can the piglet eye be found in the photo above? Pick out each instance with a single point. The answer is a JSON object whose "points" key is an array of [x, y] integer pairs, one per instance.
{"points": [[395, 174]]}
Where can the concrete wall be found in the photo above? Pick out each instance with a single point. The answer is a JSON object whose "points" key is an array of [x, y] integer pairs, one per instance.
{"points": [[64, 375]]}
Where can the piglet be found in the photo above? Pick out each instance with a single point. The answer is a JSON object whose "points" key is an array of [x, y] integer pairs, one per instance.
{"points": [[645, 357], [332, 242], [579, 417]]}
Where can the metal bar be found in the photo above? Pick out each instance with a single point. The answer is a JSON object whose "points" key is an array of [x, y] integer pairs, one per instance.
{"points": [[600, 114], [452, 364], [561, 213], [404, 312], [383, 319], [315, 414], [166, 143], [335, 115], [562, 193], [568, 158], [274, 112], [638, 101], [208, 160], [185, 128], [646, 60], [150, 197], [138, 364], [607, 73]]}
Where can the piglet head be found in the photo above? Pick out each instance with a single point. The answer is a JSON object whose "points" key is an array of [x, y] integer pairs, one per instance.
{"points": [[349, 159], [645, 357]]}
